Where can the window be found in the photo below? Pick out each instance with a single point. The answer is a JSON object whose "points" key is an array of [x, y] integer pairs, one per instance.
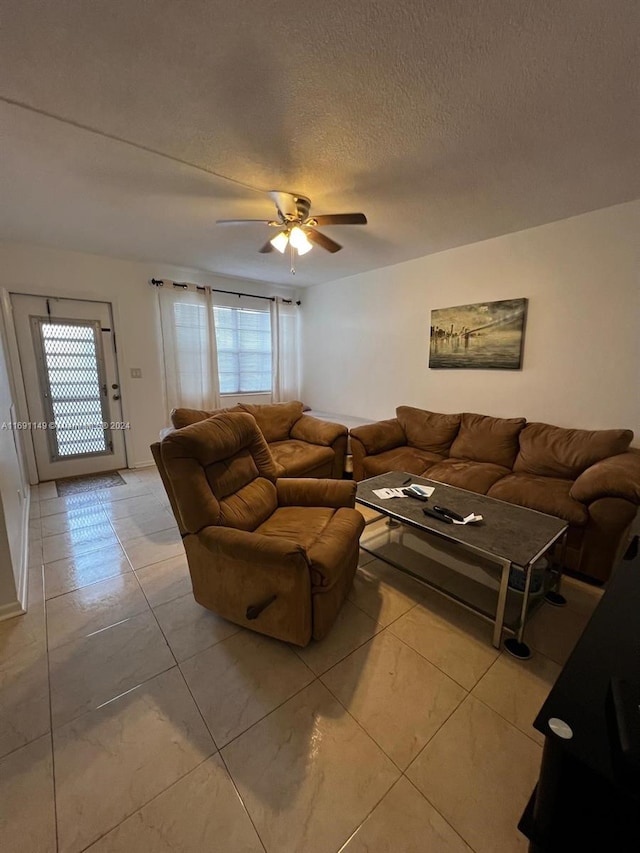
{"points": [[243, 338]]}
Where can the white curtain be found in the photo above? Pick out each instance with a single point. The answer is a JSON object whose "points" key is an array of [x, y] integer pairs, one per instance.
{"points": [[285, 350], [189, 344]]}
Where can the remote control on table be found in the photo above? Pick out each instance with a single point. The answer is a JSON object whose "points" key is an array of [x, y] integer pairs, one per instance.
{"points": [[437, 515], [455, 515]]}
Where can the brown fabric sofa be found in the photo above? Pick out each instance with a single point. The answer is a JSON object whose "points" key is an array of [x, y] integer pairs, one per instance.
{"points": [[302, 445], [271, 554], [589, 478]]}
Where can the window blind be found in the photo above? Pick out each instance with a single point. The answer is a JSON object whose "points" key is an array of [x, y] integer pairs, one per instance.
{"points": [[243, 337]]}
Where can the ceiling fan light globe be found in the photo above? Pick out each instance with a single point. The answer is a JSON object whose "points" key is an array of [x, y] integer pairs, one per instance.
{"points": [[300, 241], [280, 241]]}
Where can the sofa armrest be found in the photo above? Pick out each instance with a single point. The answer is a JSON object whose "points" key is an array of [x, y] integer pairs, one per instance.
{"points": [[315, 431], [381, 436], [308, 492], [230, 543], [615, 477]]}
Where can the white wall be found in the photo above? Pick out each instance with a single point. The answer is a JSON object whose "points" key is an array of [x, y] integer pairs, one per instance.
{"points": [[52, 272], [365, 347], [13, 500]]}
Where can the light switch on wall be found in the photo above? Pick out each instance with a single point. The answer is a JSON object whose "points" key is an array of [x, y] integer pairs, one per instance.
{"points": [[136, 373]]}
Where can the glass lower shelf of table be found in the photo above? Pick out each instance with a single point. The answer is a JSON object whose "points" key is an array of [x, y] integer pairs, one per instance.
{"points": [[470, 580]]}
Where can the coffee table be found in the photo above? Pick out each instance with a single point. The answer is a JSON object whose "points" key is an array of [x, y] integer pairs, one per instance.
{"points": [[471, 563]]}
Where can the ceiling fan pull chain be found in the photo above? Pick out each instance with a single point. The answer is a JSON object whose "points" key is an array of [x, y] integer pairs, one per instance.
{"points": [[291, 255]]}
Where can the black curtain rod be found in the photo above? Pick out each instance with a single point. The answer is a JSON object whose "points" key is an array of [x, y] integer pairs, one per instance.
{"points": [[158, 282]]}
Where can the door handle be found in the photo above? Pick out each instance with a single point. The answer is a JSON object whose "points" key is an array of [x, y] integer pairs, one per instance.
{"points": [[116, 397]]}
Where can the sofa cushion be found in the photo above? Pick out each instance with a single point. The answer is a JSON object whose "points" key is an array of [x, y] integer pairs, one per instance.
{"points": [[482, 438], [465, 474], [275, 419], [552, 451], [408, 459], [300, 457], [428, 430], [546, 494]]}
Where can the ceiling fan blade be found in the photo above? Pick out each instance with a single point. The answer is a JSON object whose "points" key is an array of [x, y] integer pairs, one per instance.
{"points": [[339, 219], [322, 240], [266, 248], [242, 221]]}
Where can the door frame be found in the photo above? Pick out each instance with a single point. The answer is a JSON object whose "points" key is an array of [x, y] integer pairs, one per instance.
{"points": [[13, 356]]}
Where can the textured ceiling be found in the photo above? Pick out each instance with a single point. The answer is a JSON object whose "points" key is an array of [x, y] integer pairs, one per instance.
{"points": [[445, 121]]}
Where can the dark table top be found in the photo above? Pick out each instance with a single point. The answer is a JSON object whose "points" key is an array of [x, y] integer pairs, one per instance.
{"points": [[609, 646], [510, 532]]}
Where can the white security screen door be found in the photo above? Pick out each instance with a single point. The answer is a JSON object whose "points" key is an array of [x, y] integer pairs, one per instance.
{"points": [[67, 354]]}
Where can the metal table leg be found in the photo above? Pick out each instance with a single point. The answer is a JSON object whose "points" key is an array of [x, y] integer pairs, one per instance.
{"points": [[502, 603], [554, 596], [516, 645]]}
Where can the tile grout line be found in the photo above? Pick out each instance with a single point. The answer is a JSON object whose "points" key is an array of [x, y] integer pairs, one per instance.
{"points": [[450, 677], [449, 715], [269, 713], [122, 694], [504, 719], [218, 750], [239, 795], [448, 822], [177, 666], [361, 726], [93, 583], [53, 752], [369, 813], [444, 722], [136, 686], [411, 782], [49, 691], [113, 698], [346, 655], [146, 803], [408, 778]]}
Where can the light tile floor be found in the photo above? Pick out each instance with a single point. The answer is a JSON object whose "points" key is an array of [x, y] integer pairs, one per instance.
{"points": [[131, 719]]}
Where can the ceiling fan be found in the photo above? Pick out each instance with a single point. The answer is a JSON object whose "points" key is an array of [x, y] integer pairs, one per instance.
{"points": [[296, 228]]}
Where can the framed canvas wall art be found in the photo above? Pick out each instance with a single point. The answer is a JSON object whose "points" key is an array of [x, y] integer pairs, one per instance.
{"points": [[484, 335]]}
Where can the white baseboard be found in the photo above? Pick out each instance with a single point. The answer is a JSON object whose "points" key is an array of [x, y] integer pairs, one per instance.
{"points": [[8, 611], [144, 464], [23, 574]]}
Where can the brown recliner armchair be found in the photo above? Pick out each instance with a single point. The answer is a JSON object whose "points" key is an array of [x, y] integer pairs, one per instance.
{"points": [[274, 555]]}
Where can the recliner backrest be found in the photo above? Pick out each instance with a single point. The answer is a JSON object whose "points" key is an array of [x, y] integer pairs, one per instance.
{"points": [[221, 472], [181, 417]]}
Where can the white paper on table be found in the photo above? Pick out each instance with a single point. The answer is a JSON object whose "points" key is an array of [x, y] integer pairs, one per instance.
{"points": [[469, 519], [383, 494]]}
